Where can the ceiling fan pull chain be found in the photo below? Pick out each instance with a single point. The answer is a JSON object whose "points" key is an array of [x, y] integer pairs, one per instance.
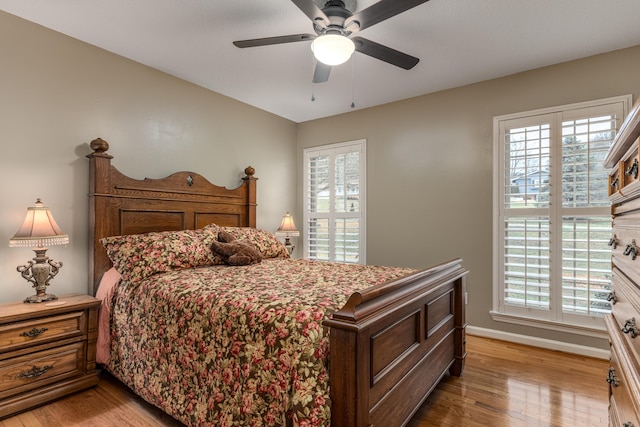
{"points": [[313, 67], [353, 81]]}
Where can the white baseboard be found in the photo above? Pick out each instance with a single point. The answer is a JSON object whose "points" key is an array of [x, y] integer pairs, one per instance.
{"points": [[539, 342]]}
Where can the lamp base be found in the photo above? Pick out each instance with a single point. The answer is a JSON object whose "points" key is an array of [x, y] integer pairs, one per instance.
{"points": [[40, 298], [39, 272], [288, 245]]}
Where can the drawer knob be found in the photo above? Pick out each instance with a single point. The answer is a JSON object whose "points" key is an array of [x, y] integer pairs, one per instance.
{"points": [[34, 372], [613, 242], [615, 182], [612, 378], [631, 249], [612, 297], [34, 332], [627, 424], [630, 327], [633, 169]]}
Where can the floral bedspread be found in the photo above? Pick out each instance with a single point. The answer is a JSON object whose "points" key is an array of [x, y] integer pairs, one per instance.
{"points": [[235, 346]]}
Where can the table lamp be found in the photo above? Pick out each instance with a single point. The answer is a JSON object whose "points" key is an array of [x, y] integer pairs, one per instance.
{"points": [[38, 231], [288, 229]]}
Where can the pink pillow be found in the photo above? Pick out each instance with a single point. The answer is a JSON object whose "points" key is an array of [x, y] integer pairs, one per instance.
{"points": [[106, 288]]}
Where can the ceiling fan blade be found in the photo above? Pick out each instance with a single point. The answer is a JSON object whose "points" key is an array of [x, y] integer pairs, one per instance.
{"points": [[274, 40], [321, 73], [385, 53], [378, 12], [309, 8]]}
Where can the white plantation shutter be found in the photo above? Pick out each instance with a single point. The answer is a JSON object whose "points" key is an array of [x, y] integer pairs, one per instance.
{"points": [[526, 262], [587, 135], [334, 182], [552, 219], [586, 265]]}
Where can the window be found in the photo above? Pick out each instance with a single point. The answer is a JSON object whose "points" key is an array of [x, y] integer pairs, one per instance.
{"points": [[552, 219], [334, 202]]}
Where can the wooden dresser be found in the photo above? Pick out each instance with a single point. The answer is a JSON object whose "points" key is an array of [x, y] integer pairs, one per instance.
{"points": [[47, 350], [623, 324]]}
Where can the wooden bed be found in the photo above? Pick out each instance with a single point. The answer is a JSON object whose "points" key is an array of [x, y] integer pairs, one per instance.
{"points": [[389, 345]]}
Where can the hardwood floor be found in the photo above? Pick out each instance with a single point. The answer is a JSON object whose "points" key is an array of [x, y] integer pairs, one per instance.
{"points": [[508, 385], [503, 385], [110, 404]]}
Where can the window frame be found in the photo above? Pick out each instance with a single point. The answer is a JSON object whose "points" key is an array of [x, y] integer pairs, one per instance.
{"points": [[360, 146], [555, 318]]}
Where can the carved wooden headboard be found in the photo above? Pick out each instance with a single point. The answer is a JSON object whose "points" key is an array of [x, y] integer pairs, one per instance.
{"points": [[184, 200]]}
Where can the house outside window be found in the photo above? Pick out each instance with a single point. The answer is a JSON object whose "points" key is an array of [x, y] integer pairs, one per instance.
{"points": [[552, 221], [334, 202]]}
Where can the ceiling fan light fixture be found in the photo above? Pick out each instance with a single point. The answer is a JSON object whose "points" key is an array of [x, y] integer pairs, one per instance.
{"points": [[332, 49]]}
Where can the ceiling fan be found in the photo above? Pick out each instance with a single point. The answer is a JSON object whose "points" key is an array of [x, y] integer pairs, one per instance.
{"points": [[334, 24]]}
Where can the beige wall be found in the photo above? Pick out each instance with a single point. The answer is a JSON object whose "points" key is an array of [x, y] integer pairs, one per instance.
{"points": [[429, 167], [429, 158], [57, 94]]}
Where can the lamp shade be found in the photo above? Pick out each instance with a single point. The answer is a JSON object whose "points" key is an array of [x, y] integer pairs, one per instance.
{"points": [[39, 229], [332, 49], [287, 226]]}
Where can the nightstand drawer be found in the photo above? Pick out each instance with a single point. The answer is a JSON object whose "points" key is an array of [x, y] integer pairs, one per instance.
{"points": [[34, 370], [46, 350], [24, 334]]}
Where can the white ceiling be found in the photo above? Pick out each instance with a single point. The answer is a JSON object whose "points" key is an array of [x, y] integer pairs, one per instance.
{"points": [[458, 42]]}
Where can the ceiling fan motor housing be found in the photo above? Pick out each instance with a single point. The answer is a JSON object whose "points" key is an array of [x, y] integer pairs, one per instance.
{"points": [[337, 14]]}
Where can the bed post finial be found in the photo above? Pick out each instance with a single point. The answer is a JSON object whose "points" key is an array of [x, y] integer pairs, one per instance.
{"points": [[99, 185], [250, 185], [99, 145]]}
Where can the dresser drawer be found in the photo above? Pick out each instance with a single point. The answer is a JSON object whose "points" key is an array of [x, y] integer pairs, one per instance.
{"points": [[629, 167], [614, 416], [621, 399], [626, 250], [615, 180], [626, 311], [24, 373], [31, 332], [623, 178]]}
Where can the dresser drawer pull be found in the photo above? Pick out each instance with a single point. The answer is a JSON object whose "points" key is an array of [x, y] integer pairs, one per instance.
{"points": [[34, 332], [613, 242], [630, 327], [612, 378], [612, 298], [633, 169], [615, 182], [34, 372], [627, 424], [631, 249]]}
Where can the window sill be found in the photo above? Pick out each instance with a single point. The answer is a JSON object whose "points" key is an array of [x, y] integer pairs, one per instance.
{"points": [[589, 331]]}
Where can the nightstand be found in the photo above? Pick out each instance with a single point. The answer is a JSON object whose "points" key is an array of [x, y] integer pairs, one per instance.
{"points": [[47, 350]]}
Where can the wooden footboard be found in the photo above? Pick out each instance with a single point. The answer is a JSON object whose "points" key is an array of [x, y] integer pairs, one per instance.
{"points": [[393, 343]]}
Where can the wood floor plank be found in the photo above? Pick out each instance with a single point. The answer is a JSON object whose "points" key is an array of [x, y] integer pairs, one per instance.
{"points": [[503, 385]]}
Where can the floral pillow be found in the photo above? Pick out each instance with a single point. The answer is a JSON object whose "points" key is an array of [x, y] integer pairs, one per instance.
{"points": [[267, 243], [138, 256]]}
